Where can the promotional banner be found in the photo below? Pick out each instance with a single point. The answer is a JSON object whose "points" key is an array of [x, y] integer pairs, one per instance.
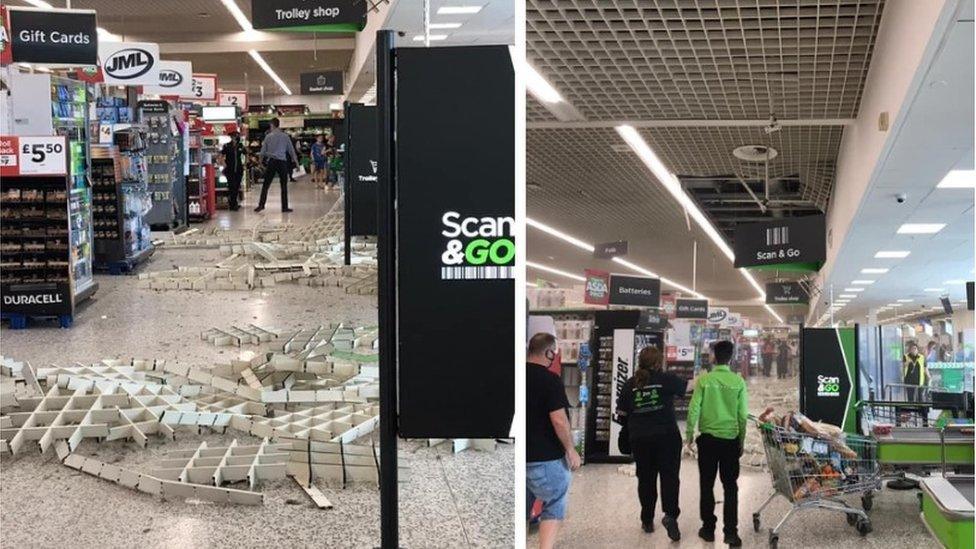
{"points": [[6, 54], [623, 369], [652, 320], [45, 298], [785, 293], [691, 308], [597, 289], [35, 155], [718, 315], [640, 291], [308, 15], [797, 243], [321, 83], [362, 150], [233, 99], [52, 36], [609, 250], [734, 320], [129, 63], [668, 302], [203, 87], [455, 240], [828, 376], [175, 78]]}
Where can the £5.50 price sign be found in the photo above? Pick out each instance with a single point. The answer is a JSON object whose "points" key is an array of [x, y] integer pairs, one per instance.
{"points": [[42, 155]]}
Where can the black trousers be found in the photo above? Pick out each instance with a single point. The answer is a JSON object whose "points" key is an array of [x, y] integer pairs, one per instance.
{"points": [[659, 455], [279, 168], [767, 361], [233, 189], [721, 456]]}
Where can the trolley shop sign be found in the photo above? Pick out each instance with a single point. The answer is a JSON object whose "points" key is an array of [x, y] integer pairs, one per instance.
{"points": [[43, 155], [778, 293], [309, 15]]}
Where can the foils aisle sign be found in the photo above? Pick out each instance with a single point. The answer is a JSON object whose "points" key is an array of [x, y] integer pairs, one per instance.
{"points": [[477, 247]]}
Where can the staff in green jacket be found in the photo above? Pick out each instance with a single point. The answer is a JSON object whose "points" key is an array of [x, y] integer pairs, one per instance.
{"points": [[719, 409]]}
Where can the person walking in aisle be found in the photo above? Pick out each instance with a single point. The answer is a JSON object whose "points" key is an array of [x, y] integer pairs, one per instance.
{"points": [[233, 155], [646, 406], [719, 410], [914, 373], [276, 149], [319, 173], [767, 356], [550, 454], [783, 360]]}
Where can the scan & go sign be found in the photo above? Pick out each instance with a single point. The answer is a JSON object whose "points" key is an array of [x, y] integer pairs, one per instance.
{"points": [[129, 63], [477, 248], [43, 155]]}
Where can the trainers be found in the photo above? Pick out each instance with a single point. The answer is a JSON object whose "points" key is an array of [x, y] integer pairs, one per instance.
{"points": [[733, 540], [647, 527], [259, 208], [286, 210], [671, 525], [706, 534]]}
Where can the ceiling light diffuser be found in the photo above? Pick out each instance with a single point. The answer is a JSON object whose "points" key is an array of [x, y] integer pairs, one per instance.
{"points": [[934, 290], [433, 37], [853, 289], [874, 270], [892, 254], [458, 10], [848, 296], [539, 87], [445, 25], [921, 228], [267, 69], [905, 300], [862, 282], [958, 179]]}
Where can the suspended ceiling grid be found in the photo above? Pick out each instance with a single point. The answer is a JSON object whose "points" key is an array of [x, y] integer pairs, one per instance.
{"points": [[725, 60]]}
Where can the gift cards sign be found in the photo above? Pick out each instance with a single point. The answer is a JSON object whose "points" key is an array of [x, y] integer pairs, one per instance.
{"points": [[51, 36], [691, 308], [129, 63]]}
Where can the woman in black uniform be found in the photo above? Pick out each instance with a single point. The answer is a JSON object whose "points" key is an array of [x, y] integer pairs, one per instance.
{"points": [[646, 407]]}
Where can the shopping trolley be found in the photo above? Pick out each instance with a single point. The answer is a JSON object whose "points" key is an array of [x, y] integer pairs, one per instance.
{"points": [[812, 472]]}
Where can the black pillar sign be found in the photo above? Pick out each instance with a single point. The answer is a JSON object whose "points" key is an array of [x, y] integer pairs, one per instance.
{"points": [[785, 293], [691, 308], [295, 14], [828, 375], [610, 250], [321, 83], [455, 249], [781, 241], [639, 291], [362, 169], [62, 37]]}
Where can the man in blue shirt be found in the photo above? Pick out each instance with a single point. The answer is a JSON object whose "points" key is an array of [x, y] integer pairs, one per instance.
{"points": [[276, 148]]}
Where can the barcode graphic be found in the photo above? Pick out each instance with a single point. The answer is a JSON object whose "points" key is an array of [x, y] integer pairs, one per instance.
{"points": [[477, 273], [777, 236]]}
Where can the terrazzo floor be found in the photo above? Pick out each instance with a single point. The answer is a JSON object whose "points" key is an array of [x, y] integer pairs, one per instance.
{"points": [[462, 500]]}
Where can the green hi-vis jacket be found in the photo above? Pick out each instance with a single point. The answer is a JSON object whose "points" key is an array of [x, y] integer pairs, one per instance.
{"points": [[913, 371], [719, 406]]}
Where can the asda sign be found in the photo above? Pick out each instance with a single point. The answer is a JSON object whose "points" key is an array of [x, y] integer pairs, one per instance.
{"points": [[477, 247]]}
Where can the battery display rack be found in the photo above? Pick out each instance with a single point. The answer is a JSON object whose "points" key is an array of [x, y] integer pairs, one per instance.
{"points": [[120, 200], [200, 188], [164, 167], [46, 251]]}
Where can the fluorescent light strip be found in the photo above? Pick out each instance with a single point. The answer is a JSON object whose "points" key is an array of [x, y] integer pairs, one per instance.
{"points": [[539, 87], [958, 179], [445, 25], [921, 228], [862, 282], [267, 68], [772, 312], [531, 284], [954, 282], [934, 290], [235, 11], [892, 254], [847, 296], [458, 10], [633, 138], [555, 271], [853, 289], [873, 270], [590, 248], [905, 300], [433, 37], [42, 4]]}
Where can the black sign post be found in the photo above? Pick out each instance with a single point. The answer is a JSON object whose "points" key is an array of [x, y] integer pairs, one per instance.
{"points": [[639, 291], [62, 37], [785, 293], [783, 241], [308, 15], [321, 83], [691, 308], [361, 167]]}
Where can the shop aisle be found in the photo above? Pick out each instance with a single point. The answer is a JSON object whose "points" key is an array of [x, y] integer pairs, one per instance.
{"points": [[441, 498]]}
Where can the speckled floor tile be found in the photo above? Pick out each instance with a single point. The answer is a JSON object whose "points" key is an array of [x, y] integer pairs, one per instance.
{"points": [[447, 500]]}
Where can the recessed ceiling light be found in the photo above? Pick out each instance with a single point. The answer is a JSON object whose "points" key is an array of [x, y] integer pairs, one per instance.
{"points": [[934, 290], [458, 10], [445, 25], [848, 296], [958, 179], [539, 87], [921, 228], [892, 254], [853, 289], [862, 282], [905, 300], [433, 37], [873, 270], [955, 281]]}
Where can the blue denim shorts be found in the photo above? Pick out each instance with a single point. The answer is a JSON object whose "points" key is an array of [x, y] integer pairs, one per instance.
{"points": [[549, 482]]}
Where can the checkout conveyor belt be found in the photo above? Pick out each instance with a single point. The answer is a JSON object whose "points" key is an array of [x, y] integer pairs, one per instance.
{"points": [[947, 509]]}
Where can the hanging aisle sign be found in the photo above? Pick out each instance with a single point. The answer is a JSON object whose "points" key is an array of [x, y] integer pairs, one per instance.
{"points": [[175, 78], [691, 308], [129, 63], [309, 15], [640, 291], [609, 250], [788, 243], [53, 36], [454, 240], [778, 293], [321, 83], [203, 87], [232, 99]]}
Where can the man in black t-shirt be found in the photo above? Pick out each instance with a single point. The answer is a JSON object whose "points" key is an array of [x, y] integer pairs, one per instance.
{"points": [[233, 153], [550, 454]]}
